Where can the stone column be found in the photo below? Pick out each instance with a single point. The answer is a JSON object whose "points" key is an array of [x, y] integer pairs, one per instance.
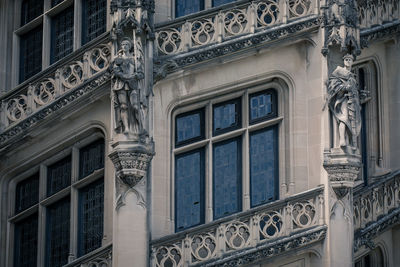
{"points": [[132, 143], [342, 160]]}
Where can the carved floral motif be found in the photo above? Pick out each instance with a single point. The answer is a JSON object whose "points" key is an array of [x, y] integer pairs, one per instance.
{"points": [[265, 228]]}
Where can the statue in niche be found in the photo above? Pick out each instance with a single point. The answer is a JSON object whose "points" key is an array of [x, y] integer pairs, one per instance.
{"points": [[128, 79], [344, 103]]}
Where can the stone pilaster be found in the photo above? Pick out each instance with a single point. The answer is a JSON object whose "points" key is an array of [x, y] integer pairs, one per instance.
{"points": [[342, 160], [132, 143]]}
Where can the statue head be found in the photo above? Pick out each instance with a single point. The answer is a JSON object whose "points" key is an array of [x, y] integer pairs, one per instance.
{"points": [[348, 61], [126, 45]]}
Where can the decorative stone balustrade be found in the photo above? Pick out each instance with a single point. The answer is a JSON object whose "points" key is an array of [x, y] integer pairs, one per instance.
{"points": [[217, 26], [270, 227], [101, 257], [28, 99], [377, 12], [375, 201], [376, 208]]}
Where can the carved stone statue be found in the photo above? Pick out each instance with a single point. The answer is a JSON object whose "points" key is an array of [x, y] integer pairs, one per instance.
{"points": [[344, 102], [127, 78]]}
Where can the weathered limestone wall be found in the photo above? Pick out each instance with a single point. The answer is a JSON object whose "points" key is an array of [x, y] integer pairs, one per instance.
{"points": [[297, 64]]}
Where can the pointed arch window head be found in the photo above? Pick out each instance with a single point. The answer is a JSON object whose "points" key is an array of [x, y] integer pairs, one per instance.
{"points": [[45, 200], [213, 144]]}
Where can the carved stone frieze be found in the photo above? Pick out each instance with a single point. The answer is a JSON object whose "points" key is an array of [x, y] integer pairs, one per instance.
{"points": [[65, 100], [364, 237], [234, 45], [131, 165], [381, 32], [342, 167], [272, 249]]}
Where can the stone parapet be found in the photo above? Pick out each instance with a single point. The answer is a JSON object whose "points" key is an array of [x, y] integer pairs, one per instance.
{"points": [[246, 237]]}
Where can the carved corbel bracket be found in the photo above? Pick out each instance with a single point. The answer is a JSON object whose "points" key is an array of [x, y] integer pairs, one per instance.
{"points": [[131, 163], [343, 169]]}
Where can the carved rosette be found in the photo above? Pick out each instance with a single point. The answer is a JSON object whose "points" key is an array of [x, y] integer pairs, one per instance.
{"points": [[131, 165], [342, 167]]}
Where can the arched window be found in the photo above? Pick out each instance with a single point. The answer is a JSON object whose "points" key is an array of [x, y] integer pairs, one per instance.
{"points": [[373, 259], [66, 189], [226, 156]]}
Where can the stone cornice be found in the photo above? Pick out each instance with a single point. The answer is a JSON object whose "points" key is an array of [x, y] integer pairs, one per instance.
{"points": [[235, 45], [62, 102], [271, 249], [365, 236], [388, 30]]}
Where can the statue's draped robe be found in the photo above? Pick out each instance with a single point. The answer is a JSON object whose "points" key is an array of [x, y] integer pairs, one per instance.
{"points": [[343, 99]]}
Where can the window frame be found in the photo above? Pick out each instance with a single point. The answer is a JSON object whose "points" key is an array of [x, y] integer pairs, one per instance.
{"points": [[44, 21], [373, 122], [72, 192], [243, 92]]}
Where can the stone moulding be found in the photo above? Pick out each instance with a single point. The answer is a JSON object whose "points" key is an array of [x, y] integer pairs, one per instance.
{"points": [[376, 209], [65, 100], [365, 236], [248, 41], [268, 250], [131, 165], [388, 30]]}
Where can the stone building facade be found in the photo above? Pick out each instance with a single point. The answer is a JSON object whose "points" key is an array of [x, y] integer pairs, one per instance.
{"points": [[199, 133]]}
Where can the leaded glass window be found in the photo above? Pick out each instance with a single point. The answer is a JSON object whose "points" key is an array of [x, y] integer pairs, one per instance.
{"points": [[189, 127], [58, 227], [59, 176], [262, 106], [26, 242], [263, 166], [210, 149], [189, 188], [91, 209], [226, 116], [27, 193], [221, 2], [94, 19], [185, 7], [30, 9], [62, 34], [30, 54], [227, 178], [91, 158]]}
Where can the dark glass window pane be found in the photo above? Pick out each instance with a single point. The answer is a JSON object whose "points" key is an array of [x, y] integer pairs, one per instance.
{"points": [[62, 31], [94, 19], [58, 217], [91, 208], [262, 106], [30, 9], [184, 7], [27, 193], [26, 242], [227, 170], [189, 127], [59, 176], [189, 189], [91, 158], [363, 133], [221, 2], [226, 116], [263, 166], [30, 54], [55, 2]]}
